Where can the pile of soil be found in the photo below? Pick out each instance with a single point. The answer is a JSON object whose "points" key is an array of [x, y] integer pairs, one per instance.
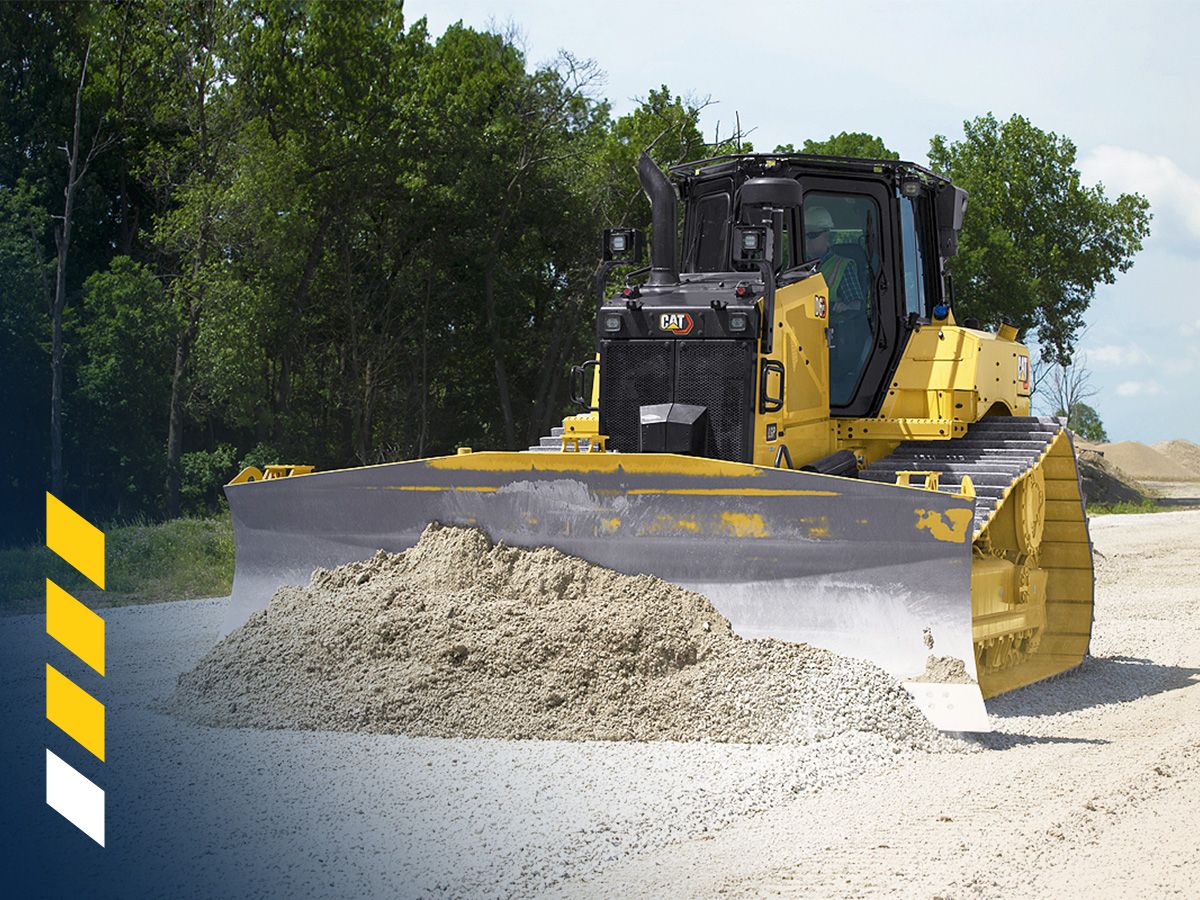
{"points": [[1185, 454], [458, 637], [1145, 463], [1105, 483]]}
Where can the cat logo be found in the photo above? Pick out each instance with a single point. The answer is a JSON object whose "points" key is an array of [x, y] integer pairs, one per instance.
{"points": [[676, 323]]}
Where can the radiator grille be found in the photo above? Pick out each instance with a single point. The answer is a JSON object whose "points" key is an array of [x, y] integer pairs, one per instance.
{"points": [[633, 374], [716, 374]]}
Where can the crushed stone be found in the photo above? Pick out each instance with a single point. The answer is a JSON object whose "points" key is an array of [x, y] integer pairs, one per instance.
{"points": [[458, 637], [945, 670]]}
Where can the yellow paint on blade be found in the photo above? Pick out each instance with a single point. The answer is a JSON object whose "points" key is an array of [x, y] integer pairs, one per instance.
{"points": [[953, 526], [74, 626], [819, 528], [743, 524], [75, 539], [668, 524], [75, 711], [608, 526], [632, 463]]}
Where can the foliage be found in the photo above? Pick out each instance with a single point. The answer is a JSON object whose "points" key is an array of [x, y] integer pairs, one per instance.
{"points": [[177, 560], [855, 144], [1036, 240], [1085, 422], [124, 384], [205, 472], [1125, 507]]}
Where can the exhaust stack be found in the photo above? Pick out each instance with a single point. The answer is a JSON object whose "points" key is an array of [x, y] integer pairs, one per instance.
{"points": [[664, 216]]}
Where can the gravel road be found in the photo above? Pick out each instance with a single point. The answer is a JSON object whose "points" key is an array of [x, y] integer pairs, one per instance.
{"points": [[1091, 784]]}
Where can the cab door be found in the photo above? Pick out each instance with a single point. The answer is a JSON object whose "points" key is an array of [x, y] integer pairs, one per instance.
{"points": [[860, 267]]}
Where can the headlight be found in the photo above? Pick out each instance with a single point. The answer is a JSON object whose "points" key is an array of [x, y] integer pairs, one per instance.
{"points": [[612, 323], [738, 322]]}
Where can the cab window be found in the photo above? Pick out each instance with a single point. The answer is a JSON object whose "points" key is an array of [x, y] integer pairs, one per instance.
{"points": [[841, 234], [914, 265], [711, 232]]}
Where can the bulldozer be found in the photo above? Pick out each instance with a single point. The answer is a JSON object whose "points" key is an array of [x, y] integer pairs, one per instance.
{"points": [[783, 414]]}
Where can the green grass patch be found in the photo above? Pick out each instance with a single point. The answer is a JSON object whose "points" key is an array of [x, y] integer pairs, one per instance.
{"points": [[176, 560], [1124, 507]]}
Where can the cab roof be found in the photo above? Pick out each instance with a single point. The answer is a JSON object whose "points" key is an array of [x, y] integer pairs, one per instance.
{"points": [[792, 165]]}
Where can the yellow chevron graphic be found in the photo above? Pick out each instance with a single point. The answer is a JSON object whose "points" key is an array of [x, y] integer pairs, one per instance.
{"points": [[75, 539], [74, 626], [75, 711], [69, 706]]}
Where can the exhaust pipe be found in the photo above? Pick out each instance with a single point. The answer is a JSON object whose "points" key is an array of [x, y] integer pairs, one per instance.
{"points": [[664, 216]]}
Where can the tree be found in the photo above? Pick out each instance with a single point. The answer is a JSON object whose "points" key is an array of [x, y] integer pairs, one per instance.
{"points": [[855, 144], [1068, 387], [1085, 422], [124, 386], [1036, 241]]}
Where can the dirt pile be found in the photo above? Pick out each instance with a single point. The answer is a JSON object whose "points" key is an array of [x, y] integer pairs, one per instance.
{"points": [[1185, 454], [1145, 463], [458, 637], [1104, 483]]}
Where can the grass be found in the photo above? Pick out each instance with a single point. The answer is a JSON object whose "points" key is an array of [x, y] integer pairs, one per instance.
{"points": [[1125, 507], [176, 560]]}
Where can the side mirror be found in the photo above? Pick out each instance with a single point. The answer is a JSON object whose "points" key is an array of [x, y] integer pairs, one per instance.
{"points": [[622, 245], [950, 207]]}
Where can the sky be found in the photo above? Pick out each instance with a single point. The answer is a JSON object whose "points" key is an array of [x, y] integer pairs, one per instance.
{"points": [[1120, 80]]}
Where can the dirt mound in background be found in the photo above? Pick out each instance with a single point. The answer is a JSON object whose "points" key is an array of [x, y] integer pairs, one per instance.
{"points": [[1185, 454], [1104, 483], [1145, 463], [458, 637]]}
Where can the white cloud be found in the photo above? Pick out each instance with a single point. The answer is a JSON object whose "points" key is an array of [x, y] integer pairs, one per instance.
{"points": [[1139, 389], [1174, 194], [1117, 355], [1190, 329]]}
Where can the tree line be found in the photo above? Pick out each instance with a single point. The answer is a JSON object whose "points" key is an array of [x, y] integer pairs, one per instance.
{"points": [[281, 231]]}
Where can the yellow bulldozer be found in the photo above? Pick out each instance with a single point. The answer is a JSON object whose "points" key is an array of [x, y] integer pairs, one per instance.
{"points": [[784, 415]]}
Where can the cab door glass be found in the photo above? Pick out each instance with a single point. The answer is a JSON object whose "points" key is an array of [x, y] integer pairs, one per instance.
{"points": [[841, 233], [914, 269]]}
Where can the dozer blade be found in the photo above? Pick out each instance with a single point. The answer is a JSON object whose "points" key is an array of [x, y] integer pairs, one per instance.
{"points": [[863, 569]]}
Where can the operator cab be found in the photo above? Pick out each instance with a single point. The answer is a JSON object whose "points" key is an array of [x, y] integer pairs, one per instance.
{"points": [[680, 345], [878, 230]]}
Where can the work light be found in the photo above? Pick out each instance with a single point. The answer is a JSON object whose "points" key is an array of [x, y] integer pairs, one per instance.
{"points": [[622, 245]]}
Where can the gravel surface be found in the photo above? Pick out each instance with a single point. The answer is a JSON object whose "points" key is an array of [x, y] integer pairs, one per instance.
{"points": [[1090, 787], [458, 637]]}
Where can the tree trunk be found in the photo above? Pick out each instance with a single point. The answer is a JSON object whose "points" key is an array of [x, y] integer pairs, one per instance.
{"points": [[550, 376], [298, 302], [183, 352], [63, 242], [489, 299], [424, 431]]}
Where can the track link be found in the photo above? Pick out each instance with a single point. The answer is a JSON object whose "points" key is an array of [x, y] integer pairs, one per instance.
{"points": [[995, 453]]}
